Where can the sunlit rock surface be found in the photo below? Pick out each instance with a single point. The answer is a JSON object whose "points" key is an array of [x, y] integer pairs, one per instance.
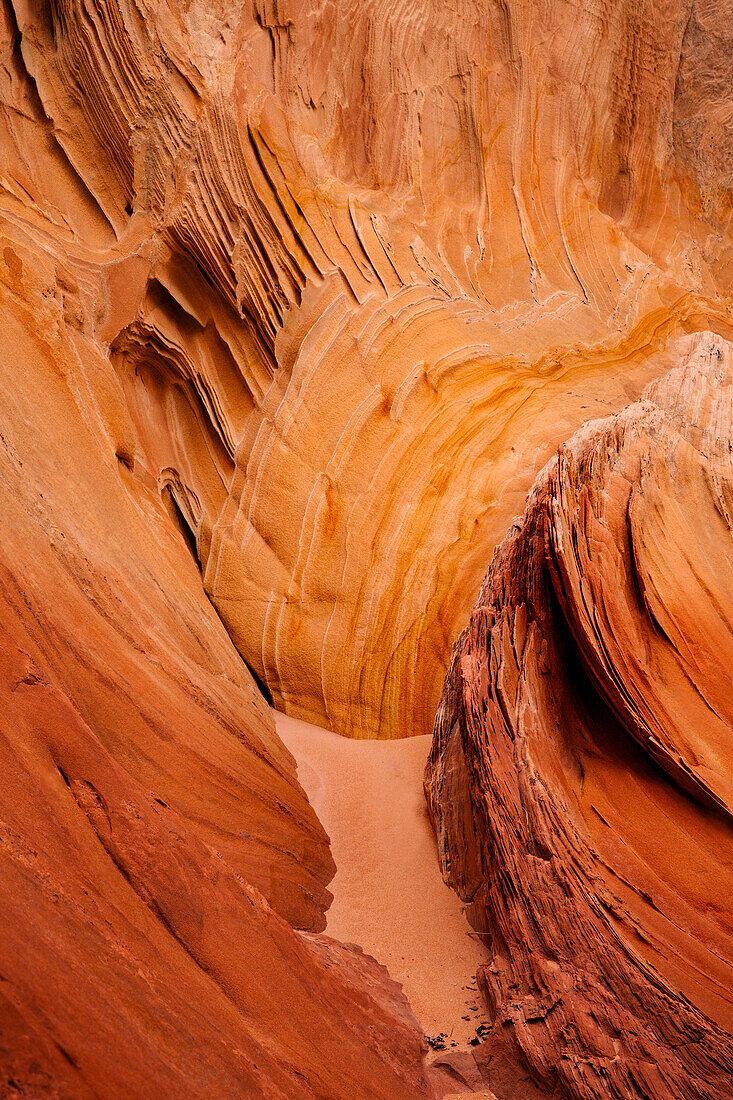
{"points": [[580, 778], [148, 811]]}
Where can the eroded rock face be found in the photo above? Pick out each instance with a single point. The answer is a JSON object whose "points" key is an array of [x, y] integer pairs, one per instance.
{"points": [[157, 853], [155, 846], [363, 266], [296, 298], [580, 778]]}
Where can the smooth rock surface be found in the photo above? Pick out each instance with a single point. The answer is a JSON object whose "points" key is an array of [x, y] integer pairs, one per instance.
{"points": [[297, 297], [154, 840], [388, 893]]}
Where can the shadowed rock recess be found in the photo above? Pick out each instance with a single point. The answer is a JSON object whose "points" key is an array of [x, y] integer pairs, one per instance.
{"points": [[299, 299]]}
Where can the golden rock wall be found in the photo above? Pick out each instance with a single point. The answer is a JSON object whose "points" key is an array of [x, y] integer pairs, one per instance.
{"points": [[373, 263]]}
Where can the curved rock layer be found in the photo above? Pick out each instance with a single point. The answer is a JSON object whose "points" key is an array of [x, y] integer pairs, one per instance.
{"points": [[580, 777], [153, 836], [156, 850], [296, 298], [360, 267]]}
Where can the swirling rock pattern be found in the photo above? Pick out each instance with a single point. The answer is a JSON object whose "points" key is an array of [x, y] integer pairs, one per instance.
{"points": [[156, 849], [297, 297], [580, 777], [162, 875], [370, 263]]}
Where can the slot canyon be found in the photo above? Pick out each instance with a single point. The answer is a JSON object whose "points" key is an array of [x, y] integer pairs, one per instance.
{"points": [[366, 549]]}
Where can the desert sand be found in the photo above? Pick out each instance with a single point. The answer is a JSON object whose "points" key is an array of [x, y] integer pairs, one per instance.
{"points": [[389, 896]]}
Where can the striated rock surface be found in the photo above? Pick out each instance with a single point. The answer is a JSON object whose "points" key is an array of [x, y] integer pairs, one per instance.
{"points": [[580, 777], [296, 299], [157, 853], [360, 267], [155, 846]]}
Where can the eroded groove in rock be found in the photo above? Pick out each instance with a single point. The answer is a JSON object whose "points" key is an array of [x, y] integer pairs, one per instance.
{"points": [[153, 835], [580, 773]]}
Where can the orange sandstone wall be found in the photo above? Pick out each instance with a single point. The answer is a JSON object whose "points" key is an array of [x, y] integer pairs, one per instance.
{"points": [[370, 264], [580, 776], [296, 299], [157, 853]]}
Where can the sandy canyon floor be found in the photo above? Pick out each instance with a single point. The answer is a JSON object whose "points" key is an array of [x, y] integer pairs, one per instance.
{"points": [[389, 896]]}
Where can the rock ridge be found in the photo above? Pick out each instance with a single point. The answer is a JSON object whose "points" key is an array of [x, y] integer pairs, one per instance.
{"points": [[579, 779]]}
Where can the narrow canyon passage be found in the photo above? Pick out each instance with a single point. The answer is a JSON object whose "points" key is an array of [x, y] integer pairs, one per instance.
{"points": [[371, 360], [389, 895]]}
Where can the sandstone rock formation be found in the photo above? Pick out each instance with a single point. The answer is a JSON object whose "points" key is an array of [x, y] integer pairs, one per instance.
{"points": [[297, 297], [360, 267], [154, 841], [156, 849], [580, 777]]}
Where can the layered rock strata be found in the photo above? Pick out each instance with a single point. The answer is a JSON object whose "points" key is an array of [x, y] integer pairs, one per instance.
{"points": [[296, 298], [580, 777], [361, 267], [157, 852], [155, 846]]}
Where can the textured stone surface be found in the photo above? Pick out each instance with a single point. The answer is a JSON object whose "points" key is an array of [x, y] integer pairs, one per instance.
{"points": [[297, 297], [156, 850], [580, 778], [148, 811], [361, 267]]}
